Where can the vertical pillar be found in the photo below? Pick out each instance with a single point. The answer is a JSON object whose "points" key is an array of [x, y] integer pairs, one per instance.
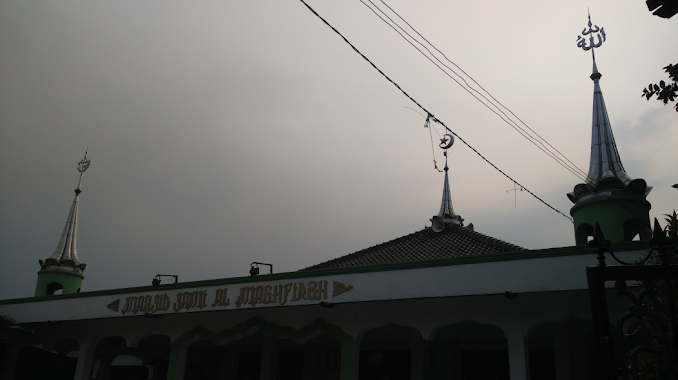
{"points": [[269, 358], [443, 359], [417, 363], [350, 360], [578, 351], [311, 360], [517, 351], [229, 363], [105, 361], [177, 362], [83, 369], [561, 351]]}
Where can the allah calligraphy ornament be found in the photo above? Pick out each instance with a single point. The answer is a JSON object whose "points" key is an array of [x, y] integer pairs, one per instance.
{"points": [[592, 31]]}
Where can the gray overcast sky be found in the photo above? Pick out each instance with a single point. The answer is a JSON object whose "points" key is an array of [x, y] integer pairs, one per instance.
{"points": [[226, 132]]}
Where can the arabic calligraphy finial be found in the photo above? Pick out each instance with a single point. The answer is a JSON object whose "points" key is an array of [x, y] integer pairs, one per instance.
{"points": [[83, 164], [592, 31]]}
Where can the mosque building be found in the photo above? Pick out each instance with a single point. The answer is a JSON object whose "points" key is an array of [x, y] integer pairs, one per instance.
{"points": [[446, 302]]}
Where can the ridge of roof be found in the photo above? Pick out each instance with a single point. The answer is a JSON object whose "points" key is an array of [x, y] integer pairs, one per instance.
{"points": [[453, 241]]}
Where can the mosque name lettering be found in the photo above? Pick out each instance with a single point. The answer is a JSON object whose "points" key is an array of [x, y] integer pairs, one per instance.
{"points": [[253, 295], [279, 294], [145, 304]]}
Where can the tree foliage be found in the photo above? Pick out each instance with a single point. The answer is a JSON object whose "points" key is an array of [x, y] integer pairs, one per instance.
{"points": [[665, 92]]}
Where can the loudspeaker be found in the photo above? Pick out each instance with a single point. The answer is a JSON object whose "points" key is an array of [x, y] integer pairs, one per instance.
{"points": [[438, 224]]}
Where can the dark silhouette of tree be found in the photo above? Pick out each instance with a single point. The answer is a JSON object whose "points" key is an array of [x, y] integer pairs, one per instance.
{"points": [[665, 92], [659, 305], [10, 329]]}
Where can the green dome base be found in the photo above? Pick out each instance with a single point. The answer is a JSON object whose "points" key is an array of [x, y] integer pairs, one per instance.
{"points": [[621, 218], [52, 280]]}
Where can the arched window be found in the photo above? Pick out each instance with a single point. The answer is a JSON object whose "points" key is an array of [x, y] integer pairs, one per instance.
{"points": [[54, 288], [584, 231], [635, 226]]}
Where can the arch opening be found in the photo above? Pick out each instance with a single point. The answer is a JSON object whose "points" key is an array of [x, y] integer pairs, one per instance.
{"points": [[37, 363], [149, 360], [583, 234], [470, 350], [636, 228], [54, 288], [387, 353], [565, 347]]}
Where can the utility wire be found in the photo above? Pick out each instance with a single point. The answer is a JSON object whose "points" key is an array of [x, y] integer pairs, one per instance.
{"points": [[569, 165], [429, 113], [471, 78], [474, 81]]}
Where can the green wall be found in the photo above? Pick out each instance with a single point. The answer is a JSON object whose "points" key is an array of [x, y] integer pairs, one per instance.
{"points": [[69, 281], [620, 217]]}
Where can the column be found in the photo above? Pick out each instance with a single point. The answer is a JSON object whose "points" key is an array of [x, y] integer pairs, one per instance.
{"points": [[417, 364], [311, 360], [229, 363], [177, 362], [105, 361], [517, 350], [350, 360], [561, 351], [269, 358], [443, 359], [83, 370]]}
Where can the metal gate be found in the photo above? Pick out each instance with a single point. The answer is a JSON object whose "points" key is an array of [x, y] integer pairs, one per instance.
{"points": [[642, 342]]}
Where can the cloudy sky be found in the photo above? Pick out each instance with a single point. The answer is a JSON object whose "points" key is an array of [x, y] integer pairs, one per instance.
{"points": [[226, 132]]}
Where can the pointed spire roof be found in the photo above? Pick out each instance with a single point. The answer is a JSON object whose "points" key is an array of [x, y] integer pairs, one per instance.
{"points": [[606, 172], [446, 213], [65, 256], [605, 160], [446, 210]]}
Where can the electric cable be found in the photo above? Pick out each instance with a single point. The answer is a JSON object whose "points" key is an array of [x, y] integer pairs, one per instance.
{"points": [[584, 178], [429, 113], [569, 165]]}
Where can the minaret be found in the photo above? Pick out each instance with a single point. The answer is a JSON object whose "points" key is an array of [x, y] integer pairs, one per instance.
{"points": [[609, 196], [63, 270], [446, 215]]}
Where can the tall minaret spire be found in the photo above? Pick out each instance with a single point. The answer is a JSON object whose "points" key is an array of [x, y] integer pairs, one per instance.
{"points": [[609, 196], [65, 256]]}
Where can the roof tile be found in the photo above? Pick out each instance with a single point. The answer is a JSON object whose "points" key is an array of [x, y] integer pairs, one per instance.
{"points": [[453, 241]]}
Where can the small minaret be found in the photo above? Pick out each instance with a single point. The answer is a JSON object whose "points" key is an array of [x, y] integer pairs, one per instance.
{"points": [[609, 196], [63, 270], [446, 215]]}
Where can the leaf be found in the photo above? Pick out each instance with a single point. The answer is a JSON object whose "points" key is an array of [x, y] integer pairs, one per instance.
{"points": [[662, 84], [672, 70], [656, 88]]}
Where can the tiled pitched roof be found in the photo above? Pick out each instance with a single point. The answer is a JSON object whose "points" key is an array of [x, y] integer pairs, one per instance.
{"points": [[453, 241]]}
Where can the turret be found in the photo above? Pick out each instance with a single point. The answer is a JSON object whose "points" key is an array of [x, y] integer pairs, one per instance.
{"points": [[63, 269], [608, 196]]}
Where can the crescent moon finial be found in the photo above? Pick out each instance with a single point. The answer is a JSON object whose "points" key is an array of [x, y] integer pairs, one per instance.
{"points": [[447, 141]]}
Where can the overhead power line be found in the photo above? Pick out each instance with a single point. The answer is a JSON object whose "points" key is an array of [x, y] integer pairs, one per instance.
{"points": [[429, 113], [492, 104]]}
